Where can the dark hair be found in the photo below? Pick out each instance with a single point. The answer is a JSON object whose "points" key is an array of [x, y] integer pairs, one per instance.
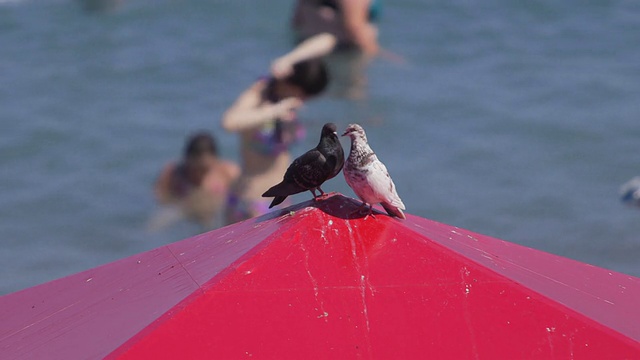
{"points": [[199, 144], [310, 75]]}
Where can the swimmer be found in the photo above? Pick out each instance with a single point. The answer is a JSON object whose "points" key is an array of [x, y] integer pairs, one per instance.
{"points": [[264, 116], [198, 184], [351, 22]]}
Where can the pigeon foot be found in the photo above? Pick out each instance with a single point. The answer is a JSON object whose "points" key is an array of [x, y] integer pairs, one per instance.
{"points": [[322, 195], [359, 210]]}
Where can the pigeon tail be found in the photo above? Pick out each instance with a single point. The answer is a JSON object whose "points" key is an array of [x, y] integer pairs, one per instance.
{"points": [[277, 201], [281, 191], [393, 210]]}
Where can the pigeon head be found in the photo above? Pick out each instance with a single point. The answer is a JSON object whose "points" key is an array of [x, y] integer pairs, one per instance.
{"points": [[328, 129], [355, 131]]}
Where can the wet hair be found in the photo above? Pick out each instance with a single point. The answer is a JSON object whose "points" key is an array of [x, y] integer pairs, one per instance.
{"points": [[311, 76], [199, 144]]}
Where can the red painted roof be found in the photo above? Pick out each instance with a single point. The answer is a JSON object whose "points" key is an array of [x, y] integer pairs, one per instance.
{"points": [[314, 283]]}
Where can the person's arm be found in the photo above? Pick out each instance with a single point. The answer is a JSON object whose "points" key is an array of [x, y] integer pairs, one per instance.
{"points": [[315, 46], [162, 187], [232, 170], [356, 20], [249, 111]]}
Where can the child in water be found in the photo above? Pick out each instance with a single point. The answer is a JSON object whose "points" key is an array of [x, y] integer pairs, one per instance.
{"points": [[197, 184], [264, 116]]}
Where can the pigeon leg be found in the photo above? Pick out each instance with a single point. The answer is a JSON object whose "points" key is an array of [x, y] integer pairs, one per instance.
{"points": [[370, 212], [359, 209], [313, 191], [322, 193], [318, 197]]}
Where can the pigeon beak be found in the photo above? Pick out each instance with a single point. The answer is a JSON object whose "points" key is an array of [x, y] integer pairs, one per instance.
{"points": [[345, 133]]}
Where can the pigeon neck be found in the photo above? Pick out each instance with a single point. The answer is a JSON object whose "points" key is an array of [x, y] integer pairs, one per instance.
{"points": [[360, 152], [328, 139]]}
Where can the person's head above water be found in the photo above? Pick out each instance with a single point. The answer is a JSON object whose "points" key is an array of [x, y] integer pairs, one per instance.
{"points": [[200, 153], [199, 144], [311, 76], [308, 78]]}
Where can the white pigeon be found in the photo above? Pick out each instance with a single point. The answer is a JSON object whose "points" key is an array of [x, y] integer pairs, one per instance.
{"points": [[368, 177]]}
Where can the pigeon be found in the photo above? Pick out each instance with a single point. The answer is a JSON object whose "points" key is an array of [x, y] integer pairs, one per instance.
{"points": [[312, 169], [368, 177]]}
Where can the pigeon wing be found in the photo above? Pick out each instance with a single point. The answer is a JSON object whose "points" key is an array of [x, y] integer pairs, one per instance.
{"points": [[382, 185], [309, 170]]}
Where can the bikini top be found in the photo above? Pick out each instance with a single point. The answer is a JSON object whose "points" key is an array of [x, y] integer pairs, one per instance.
{"points": [[276, 137]]}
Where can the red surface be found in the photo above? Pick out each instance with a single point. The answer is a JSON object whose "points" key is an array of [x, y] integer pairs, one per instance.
{"points": [[89, 314], [314, 284]]}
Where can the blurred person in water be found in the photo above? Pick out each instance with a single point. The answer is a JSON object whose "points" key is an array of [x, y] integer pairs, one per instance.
{"points": [[265, 118], [353, 25], [196, 186], [351, 22]]}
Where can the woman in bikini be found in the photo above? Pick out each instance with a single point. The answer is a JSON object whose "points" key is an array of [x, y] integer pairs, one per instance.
{"points": [[264, 116], [351, 22], [353, 25]]}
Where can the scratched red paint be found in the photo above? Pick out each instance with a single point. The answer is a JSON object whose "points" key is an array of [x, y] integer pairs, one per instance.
{"points": [[317, 284]]}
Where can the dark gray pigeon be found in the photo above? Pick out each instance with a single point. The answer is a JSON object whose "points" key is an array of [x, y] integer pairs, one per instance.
{"points": [[368, 177], [313, 168]]}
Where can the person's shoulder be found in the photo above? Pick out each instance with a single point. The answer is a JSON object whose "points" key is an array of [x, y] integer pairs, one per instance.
{"points": [[230, 168], [168, 168]]}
